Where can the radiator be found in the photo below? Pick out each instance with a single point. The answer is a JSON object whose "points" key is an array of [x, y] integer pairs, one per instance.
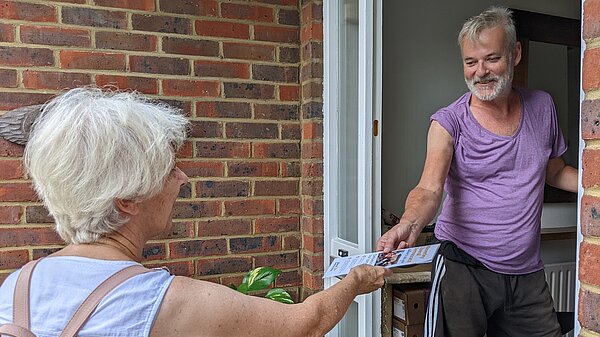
{"points": [[561, 281]]}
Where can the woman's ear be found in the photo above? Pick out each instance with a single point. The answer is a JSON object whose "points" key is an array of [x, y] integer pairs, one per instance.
{"points": [[129, 207]]}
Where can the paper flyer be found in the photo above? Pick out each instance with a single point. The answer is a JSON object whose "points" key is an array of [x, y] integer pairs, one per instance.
{"points": [[397, 258]]}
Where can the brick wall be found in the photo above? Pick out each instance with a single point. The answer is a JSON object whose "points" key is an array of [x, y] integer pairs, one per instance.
{"points": [[255, 154], [589, 254]]}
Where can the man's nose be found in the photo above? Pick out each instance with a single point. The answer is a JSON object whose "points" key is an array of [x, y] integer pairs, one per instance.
{"points": [[481, 70]]}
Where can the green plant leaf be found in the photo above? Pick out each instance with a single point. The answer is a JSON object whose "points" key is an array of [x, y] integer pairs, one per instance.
{"points": [[243, 288], [279, 295], [232, 286], [260, 278]]}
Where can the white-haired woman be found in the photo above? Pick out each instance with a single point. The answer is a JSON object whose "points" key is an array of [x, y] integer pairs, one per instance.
{"points": [[104, 165]]}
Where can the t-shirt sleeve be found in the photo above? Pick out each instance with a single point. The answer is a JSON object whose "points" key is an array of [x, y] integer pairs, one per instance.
{"points": [[447, 120], [559, 147]]}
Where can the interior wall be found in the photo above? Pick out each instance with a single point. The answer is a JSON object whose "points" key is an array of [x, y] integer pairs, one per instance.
{"points": [[422, 72]]}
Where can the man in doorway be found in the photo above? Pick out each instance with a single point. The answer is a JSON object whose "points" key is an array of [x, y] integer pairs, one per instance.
{"points": [[491, 150]]}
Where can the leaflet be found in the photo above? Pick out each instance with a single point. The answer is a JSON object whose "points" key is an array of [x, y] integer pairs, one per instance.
{"points": [[397, 258]]}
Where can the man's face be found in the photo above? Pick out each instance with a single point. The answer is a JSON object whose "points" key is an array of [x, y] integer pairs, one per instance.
{"points": [[488, 65]]}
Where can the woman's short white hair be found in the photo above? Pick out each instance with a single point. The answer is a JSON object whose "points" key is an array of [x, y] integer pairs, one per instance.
{"points": [[490, 18], [90, 147]]}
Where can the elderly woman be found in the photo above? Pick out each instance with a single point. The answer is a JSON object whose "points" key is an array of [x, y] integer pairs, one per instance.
{"points": [[104, 165]]}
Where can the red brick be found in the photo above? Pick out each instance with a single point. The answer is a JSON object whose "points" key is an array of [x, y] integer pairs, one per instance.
{"points": [[276, 111], [246, 12], [246, 51], [187, 150], [591, 63], [8, 78], [13, 259], [276, 225], [589, 263], [249, 207], [289, 93], [14, 10], [179, 230], [182, 249], [37, 214], [224, 227], [14, 56], [221, 69], [13, 100], [589, 310], [293, 3], [279, 261], [19, 237], [161, 24], [289, 55], [275, 73], [289, 206], [312, 187], [222, 150], [313, 244], [224, 265], [312, 12], [154, 251], [54, 80], [223, 109], [55, 36], [276, 150], [17, 192], [312, 110], [195, 7], [196, 209], [591, 170], [71, 59], [260, 169], [43, 252], [314, 170], [179, 268], [222, 29], [276, 188], [590, 119], [7, 33], [249, 90], [311, 71], [313, 31], [173, 45], [126, 41], [159, 65], [290, 169], [144, 5], [313, 262], [8, 149], [312, 130], [220, 189], [591, 19], [312, 90], [312, 207], [590, 215], [281, 34], [144, 85], [312, 150], [293, 241], [291, 131], [288, 17], [289, 279], [10, 169], [206, 129], [191, 88], [10, 214], [251, 130], [254, 244], [313, 225], [94, 17], [72, 1], [312, 50], [202, 168], [312, 281]]}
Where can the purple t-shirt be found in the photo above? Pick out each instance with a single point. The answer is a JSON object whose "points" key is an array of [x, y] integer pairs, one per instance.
{"points": [[495, 184]]}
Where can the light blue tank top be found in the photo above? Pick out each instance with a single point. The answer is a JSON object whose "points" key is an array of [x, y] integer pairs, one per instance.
{"points": [[60, 283]]}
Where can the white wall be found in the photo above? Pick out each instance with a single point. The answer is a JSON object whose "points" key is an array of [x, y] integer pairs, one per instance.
{"points": [[422, 72]]}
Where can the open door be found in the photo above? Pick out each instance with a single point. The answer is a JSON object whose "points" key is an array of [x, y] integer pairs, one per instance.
{"points": [[352, 207]]}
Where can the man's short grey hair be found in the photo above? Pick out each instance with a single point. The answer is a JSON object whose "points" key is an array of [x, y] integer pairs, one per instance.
{"points": [[91, 147], [490, 18]]}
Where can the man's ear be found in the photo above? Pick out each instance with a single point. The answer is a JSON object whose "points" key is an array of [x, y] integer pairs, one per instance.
{"points": [[517, 53], [129, 207]]}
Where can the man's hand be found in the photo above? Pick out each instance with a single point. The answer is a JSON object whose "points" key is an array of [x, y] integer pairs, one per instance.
{"points": [[369, 278], [401, 236]]}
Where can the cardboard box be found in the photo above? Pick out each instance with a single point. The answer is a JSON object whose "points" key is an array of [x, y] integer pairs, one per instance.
{"points": [[409, 303], [401, 330]]}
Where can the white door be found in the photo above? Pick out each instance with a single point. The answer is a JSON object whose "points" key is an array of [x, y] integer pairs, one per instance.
{"points": [[352, 104]]}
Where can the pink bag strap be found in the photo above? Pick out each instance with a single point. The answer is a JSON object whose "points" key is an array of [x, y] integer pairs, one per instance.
{"points": [[84, 311], [21, 296], [15, 330]]}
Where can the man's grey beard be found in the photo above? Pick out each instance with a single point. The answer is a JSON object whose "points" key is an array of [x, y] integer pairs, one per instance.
{"points": [[502, 83]]}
